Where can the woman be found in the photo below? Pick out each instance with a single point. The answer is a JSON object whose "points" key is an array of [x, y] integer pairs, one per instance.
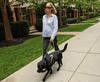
{"points": [[50, 28]]}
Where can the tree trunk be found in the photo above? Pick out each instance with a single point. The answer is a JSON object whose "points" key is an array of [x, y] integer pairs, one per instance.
{"points": [[79, 14], [8, 34], [60, 15], [88, 13]]}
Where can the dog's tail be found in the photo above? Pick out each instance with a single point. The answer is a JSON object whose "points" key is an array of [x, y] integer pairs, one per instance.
{"points": [[65, 47]]}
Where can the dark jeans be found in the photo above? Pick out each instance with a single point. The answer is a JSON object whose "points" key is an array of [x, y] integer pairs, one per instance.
{"points": [[46, 41]]}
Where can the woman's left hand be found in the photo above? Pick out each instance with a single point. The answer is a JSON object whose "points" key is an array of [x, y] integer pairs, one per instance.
{"points": [[51, 40]]}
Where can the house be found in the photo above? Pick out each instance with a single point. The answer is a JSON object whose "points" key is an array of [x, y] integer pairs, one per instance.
{"points": [[19, 11]]}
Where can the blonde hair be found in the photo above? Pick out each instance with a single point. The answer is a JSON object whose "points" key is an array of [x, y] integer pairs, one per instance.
{"points": [[54, 11]]}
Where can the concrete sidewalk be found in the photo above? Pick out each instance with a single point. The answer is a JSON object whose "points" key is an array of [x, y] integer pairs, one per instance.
{"points": [[81, 61]]}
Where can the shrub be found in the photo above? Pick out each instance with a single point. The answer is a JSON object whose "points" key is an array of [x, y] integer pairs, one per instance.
{"points": [[82, 18], [40, 7], [72, 20], [39, 25], [64, 20], [99, 14], [18, 29], [95, 14], [91, 14]]}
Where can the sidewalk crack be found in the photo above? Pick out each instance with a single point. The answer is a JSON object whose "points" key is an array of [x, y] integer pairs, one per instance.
{"points": [[83, 59]]}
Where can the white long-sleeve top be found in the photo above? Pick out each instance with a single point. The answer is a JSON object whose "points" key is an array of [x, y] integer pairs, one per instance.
{"points": [[50, 26]]}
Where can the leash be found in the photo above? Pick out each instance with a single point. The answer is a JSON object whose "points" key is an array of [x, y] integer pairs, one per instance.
{"points": [[49, 48], [51, 56]]}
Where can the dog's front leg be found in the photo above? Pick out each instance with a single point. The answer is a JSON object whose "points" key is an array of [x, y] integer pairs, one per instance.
{"points": [[51, 70], [45, 76]]}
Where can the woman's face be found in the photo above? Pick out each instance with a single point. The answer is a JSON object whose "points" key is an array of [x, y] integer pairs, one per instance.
{"points": [[48, 8]]}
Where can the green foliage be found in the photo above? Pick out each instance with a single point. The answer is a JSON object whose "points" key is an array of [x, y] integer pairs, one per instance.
{"points": [[39, 25], [83, 18], [92, 20], [53, 1], [62, 7], [40, 7], [18, 29], [72, 20], [57, 8], [64, 20], [91, 14], [99, 14], [31, 6]]}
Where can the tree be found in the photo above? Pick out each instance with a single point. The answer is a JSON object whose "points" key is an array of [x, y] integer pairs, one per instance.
{"points": [[8, 34], [23, 1], [93, 4], [88, 4], [79, 4], [97, 5]]}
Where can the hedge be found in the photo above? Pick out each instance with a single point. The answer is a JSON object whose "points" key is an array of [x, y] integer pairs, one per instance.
{"points": [[91, 14], [98, 14], [39, 25], [18, 29], [72, 20], [64, 20], [83, 18]]}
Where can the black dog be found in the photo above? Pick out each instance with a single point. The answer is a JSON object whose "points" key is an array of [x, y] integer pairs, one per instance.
{"points": [[47, 62]]}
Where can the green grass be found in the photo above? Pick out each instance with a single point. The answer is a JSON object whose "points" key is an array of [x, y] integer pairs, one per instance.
{"points": [[30, 27], [79, 27], [13, 58], [75, 28], [92, 20]]}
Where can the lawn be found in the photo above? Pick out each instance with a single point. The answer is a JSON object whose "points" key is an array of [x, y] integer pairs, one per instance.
{"points": [[13, 58], [92, 20], [75, 28], [81, 26]]}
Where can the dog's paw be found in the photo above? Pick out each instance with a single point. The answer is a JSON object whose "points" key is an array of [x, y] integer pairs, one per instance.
{"points": [[61, 63], [58, 69], [43, 80], [51, 72]]}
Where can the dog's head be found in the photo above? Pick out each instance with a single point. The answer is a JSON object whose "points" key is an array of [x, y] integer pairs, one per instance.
{"points": [[41, 66]]}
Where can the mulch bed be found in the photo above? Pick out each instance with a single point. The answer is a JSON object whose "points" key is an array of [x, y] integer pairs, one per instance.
{"points": [[16, 41]]}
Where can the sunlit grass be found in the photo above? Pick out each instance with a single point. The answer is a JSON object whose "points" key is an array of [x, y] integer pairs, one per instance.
{"points": [[15, 57]]}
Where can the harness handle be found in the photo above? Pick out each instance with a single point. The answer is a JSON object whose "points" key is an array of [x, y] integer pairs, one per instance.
{"points": [[49, 47]]}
